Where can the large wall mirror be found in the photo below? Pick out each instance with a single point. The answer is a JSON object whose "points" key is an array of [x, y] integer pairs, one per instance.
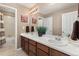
{"points": [[46, 22], [67, 22]]}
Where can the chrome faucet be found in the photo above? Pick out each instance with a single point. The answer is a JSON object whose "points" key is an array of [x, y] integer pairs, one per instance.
{"points": [[58, 38]]}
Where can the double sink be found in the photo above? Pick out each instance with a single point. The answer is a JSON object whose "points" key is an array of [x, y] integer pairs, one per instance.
{"points": [[55, 40]]}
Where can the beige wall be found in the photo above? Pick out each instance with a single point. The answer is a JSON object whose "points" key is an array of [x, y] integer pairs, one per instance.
{"points": [[21, 10], [57, 24], [57, 19]]}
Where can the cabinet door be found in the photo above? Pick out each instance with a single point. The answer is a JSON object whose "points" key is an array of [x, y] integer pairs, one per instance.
{"points": [[43, 47], [22, 43], [32, 48], [32, 42], [26, 47], [54, 52], [41, 52]]}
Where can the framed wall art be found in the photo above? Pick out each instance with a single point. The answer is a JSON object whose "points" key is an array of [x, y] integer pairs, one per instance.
{"points": [[34, 20], [24, 18]]}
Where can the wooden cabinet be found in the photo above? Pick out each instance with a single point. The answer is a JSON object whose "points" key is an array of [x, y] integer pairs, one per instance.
{"points": [[22, 43], [54, 52], [32, 42], [26, 47], [33, 48], [42, 50]]}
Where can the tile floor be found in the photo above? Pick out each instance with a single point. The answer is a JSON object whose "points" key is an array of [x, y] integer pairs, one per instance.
{"points": [[8, 49]]}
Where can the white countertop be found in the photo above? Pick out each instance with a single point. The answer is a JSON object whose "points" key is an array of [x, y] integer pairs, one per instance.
{"points": [[69, 49]]}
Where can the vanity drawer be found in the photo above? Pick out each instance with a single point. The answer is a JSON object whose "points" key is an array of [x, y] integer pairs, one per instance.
{"points": [[32, 48], [54, 52], [41, 53], [26, 47], [43, 47], [32, 42]]}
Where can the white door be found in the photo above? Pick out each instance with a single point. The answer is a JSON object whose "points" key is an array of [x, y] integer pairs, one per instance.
{"points": [[67, 22]]}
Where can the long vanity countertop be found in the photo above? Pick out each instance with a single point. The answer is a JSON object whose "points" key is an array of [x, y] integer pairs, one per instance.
{"points": [[69, 49]]}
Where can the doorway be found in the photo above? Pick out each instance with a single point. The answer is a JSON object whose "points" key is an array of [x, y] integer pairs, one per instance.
{"points": [[10, 23]]}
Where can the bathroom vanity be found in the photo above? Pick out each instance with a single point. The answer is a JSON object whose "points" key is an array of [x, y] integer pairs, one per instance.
{"points": [[39, 46], [34, 48]]}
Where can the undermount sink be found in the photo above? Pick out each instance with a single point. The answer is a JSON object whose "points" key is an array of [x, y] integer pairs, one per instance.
{"points": [[58, 41]]}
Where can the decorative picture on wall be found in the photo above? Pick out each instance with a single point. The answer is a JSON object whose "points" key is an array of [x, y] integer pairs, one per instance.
{"points": [[34, 20], [24, 18]]}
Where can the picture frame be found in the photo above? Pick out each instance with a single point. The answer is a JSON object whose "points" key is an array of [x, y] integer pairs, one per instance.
{"points": [[34, 20], [24, 18]]}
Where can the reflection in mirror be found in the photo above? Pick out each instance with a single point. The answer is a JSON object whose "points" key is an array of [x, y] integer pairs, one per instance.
{"points": [[40, 22], [46, 22], [67, 22]]}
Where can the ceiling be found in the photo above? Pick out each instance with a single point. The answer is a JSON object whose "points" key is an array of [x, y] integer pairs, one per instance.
{"points": [[46, 8], [28, 5], [51, 8]]}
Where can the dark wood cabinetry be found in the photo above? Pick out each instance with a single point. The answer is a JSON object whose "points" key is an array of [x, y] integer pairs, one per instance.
{"points": [[33, 48], [22, 43], [43, 47], [54, 52], [32, 42], [26, 46], [42, 50]]}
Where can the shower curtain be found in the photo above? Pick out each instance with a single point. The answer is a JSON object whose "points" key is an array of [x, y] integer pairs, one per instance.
{"points": [[2, 32]]}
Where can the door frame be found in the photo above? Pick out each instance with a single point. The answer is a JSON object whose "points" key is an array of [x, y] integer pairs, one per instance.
{"points": [[16, 46]]}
